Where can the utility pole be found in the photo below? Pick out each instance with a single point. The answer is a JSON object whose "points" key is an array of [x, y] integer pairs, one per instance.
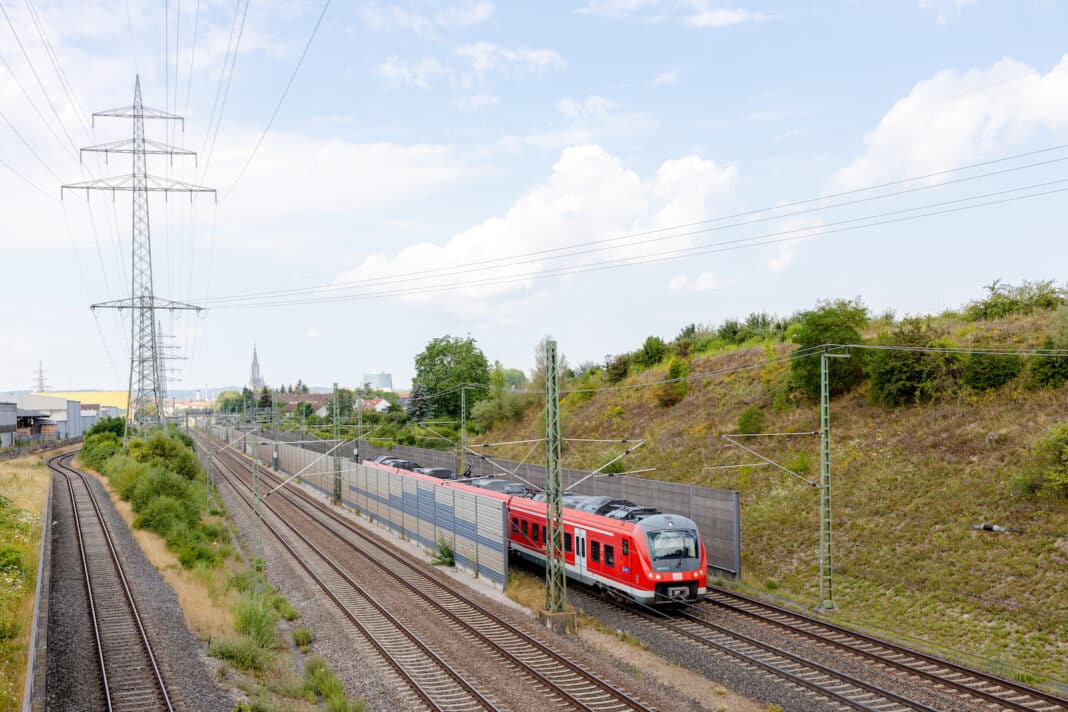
{"points": [[556, 614], [826, 592], [359, 427], [257, 541], [463, 431], [337, 451], [147, 385]]}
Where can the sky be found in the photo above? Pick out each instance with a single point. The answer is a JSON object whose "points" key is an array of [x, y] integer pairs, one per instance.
{"points": [[597, 171]]}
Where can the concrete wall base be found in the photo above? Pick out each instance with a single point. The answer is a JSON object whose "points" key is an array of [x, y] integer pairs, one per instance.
{"points": [[562, 623]]}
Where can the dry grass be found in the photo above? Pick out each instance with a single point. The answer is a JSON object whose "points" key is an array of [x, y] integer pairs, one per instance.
{"points": [[23, 481], [526, 590], [201, 592], [910, 483]]}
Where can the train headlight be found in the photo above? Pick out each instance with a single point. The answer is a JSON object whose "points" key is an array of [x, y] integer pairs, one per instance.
{"points": [[657, 577]]}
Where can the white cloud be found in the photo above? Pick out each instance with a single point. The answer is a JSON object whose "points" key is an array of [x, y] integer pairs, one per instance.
{"points": [[590, 119], [421, 75], [779, 257], [955, 118], [477, 102], [725, 17], [704, 282], [488, 58], [616, 8], [590, 195], [312, 333], [943, 8], [385, 17], [667, 77]]}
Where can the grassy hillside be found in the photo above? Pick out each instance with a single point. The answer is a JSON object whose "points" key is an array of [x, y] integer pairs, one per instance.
{"points": [[909, 484]]}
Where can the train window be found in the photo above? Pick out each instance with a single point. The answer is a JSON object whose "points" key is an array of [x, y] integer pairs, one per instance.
{"points": [[626, 547], [515, 526], [543, 532], [567, 543], [595, 550], [534, 532], [609, 556], [524, 529]]}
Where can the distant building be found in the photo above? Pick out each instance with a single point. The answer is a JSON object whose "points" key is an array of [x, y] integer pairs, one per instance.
{"points": [[255, 379], [8, 423], [378, 381]]}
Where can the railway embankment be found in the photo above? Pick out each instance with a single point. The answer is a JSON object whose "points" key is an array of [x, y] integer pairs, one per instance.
{"points": [[926, 447]]}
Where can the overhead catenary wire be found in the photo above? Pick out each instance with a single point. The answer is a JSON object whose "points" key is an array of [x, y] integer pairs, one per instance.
{"points": [[226, 92], [281, 99], [507, 260], [711, 248]]}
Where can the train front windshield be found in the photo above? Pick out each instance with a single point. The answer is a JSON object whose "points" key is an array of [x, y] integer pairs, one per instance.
{"points": [[673, 546]]}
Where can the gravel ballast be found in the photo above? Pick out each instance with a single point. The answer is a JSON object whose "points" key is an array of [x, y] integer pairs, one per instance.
{"points": [[73, 671]]}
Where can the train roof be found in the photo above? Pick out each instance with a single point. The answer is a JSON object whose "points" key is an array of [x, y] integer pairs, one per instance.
{"points": [[659, 522]]}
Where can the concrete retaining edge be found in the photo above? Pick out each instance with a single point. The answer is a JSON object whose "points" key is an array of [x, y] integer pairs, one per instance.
{"points": [[33, 697]]}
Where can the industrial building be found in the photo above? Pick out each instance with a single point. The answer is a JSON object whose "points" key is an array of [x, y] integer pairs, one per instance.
{"points": [[378, 381], [9, 418]]}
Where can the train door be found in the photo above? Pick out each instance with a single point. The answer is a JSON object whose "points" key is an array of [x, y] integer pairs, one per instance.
{"points": [[580, 550]]}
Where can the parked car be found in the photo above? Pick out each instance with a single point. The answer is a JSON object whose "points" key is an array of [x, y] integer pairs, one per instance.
{"points": [[442, 473]]}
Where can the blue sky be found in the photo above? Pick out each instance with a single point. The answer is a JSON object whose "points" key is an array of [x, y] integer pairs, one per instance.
{"points": [[423, 136]]}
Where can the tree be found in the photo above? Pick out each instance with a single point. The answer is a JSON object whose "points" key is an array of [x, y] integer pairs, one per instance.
{"points": [[831, 322], [345, 400], [537, 376], [652, 352], [265, 399], [515, 378], [444, 366], [247, 399], [301, 387], [618, 368], [228, 402], [906, 377], [116, 426], [419, 406], [304, 410]]}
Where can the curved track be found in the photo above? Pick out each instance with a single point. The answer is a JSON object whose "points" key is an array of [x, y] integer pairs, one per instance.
{"points": [[130, 677], [972, 686], [560, 679]]}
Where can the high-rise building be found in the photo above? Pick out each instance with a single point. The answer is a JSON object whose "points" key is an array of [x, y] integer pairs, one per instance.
{"points": [[378, 381], [255, 379]]}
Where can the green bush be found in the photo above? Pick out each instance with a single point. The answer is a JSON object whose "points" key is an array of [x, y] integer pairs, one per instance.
{"points": [[11, 561], [1005, 299], [1049, 371], [985, 372], [165, 514], [671, 393], [651, 353], [831, 322], [256, 618], [905, 377], [321, 682], [99, 447], [444, 556], [242, 653], [618, 368], [1052, 456], [124, 473], [283, 607], [751, 421], [167, 452], [116, 426], [158, 482], [303, 637]]}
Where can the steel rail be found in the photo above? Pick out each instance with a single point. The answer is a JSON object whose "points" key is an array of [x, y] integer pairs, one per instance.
{"points": [[1011, 687], [399, 667], [57, 464], [600, 684], [663, 620]]}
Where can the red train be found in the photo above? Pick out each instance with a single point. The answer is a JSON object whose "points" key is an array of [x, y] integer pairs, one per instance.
{"points": [[658, 559]]}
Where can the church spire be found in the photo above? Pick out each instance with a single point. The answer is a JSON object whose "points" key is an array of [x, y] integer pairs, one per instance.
{"points": [[255, 379]]}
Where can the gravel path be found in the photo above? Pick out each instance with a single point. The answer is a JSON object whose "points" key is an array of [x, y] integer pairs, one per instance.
{"points": [[72, 668]]}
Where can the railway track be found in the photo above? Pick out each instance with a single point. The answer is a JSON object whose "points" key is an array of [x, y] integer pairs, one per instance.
{"points": [[130, 677], [561, 680], [975, 687]]}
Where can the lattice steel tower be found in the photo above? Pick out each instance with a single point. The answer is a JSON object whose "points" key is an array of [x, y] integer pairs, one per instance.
{"points": [[148, 379]]}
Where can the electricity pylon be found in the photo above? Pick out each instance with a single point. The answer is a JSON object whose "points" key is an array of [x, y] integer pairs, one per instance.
{"points": [[147, 387]]}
